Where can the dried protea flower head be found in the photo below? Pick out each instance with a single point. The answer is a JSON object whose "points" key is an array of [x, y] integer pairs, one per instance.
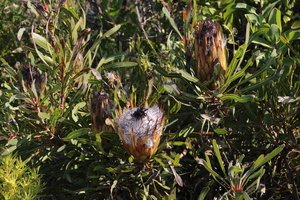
{"points": [[140, 129], [33, 77], [113, 78], [210, 53], [100, 111]]}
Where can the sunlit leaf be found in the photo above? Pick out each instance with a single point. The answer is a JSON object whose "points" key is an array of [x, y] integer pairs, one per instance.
{"points": [[8, 150], [111, 31], [77, 133], [20, 33], [177, 177], [220, 131], [44, 115], [237, 98], [171, 20], [42, 42], [218, 155], [61, 148], [275, 18], [296, 25], [121, 65], [75, 110]]}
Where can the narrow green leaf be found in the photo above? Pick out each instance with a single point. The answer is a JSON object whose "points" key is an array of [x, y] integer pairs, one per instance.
{"points": [[241, 158], [160, 162], [262, 31], [42, 42], [164, 186], [267, 10], [44, 115], [76, 134], [210, 170], [255, 184], [252, 18], [220, 131], [76, 29], [240, 73], [33, 89], [258, 162], [164, 72], [274, 33], [46, 59], [215, 175], [296, 25], [256, 174], [245, 6], [275, 18], [274, 153], [121, 65], [203, 193], [8, 150], [261, 41], [20, 33], [75, 110], [208, 161], [111, 31], [70, 12], [293, 35], [187, 76], [234, 64], [246, 196], [259, 72], [32, 8], [171, 20], [235, 170], [12, 142], [61, 148], [178, 179], [113, 187], [263, 83], [105, 60], [178, 143], [186, 131], [237, 98], [261, 160], [219, 157]]}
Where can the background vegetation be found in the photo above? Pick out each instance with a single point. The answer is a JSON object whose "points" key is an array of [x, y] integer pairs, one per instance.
{"points": [[239, 141]]}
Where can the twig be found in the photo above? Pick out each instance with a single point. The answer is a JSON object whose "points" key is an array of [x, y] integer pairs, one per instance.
{"points": [[141, 23]]}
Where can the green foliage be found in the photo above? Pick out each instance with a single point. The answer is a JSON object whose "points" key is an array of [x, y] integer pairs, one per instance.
{"points": [[139, 55], [239, 182], [17, 180], [13, 20]]}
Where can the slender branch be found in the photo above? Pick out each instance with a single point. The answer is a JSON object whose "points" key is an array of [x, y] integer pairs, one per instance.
{"points": [[141, 23]]}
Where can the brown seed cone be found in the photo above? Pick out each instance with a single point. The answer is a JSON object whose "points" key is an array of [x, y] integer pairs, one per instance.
{"points": [[209, 52], [100, 111], [32, 75]]}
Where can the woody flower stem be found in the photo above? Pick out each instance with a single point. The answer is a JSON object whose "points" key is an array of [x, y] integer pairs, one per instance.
{"points": [[62, 79], [37, 107]]}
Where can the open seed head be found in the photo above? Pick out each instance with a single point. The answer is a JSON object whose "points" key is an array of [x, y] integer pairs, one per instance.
{"points": [[140, 129]]}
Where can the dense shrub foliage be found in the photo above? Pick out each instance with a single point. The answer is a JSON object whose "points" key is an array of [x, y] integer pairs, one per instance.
{"points": [[70, 68], [18, 181]]}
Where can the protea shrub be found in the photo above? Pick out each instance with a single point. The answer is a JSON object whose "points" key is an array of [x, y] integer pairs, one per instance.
{"points": [[210, 53], [140, 130]]}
